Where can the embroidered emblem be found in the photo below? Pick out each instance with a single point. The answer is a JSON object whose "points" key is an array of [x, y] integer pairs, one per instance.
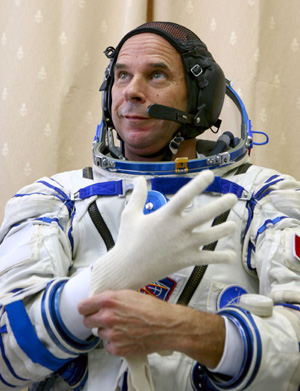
{"points": [[230, 296], [161, 289]]}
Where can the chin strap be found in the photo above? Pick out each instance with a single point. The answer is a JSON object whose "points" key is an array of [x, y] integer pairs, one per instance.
{"points": [[175, 143], [173, 147]]}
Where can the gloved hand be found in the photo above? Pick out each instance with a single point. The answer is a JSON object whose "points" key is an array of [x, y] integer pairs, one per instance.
{"points": [[152, 246]]}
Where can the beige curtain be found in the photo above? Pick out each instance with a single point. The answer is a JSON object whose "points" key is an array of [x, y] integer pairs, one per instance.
{"points": [[52, 64]]}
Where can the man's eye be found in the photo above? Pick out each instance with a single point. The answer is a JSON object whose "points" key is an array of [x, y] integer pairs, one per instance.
{"points": [[122, 75], [158, 75]]}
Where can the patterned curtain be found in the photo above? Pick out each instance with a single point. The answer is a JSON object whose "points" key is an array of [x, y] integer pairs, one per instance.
{"points": [[52, 64]]}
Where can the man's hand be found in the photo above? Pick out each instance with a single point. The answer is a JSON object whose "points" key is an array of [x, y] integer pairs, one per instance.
{"points": [[134, 324]]}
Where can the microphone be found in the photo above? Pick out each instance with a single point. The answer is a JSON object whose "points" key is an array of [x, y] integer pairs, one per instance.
{"points": [[222, 143], [169, 113]]}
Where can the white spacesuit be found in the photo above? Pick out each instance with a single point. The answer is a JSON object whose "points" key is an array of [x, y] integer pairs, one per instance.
{"points": [[55, 228]]}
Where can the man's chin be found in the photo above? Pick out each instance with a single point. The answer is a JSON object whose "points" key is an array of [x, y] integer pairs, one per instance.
{"points": [[145, 154]]}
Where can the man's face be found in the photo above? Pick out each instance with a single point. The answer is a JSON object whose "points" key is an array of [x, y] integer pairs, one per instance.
{"points": [[148, 70]]}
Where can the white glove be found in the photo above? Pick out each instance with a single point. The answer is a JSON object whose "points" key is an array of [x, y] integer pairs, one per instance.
{"points": [[152, 246]]}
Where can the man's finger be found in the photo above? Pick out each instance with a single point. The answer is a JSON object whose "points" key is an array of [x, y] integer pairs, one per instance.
{"points": [[188, 192], [139, 195]]}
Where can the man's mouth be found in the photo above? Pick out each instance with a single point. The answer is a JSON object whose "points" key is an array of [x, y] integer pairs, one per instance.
{"points": [[135, 117]]}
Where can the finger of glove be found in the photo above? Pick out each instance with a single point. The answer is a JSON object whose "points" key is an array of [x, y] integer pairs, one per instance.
{"points": [[188, 192], [210, 211], [138, 197], [207, 257], [216, 232]]}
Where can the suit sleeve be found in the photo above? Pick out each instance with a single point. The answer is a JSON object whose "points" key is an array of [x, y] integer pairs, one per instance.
{"points": [[270, 249], [36, 253]]}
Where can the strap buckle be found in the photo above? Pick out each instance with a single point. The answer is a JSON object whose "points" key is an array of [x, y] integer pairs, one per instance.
{"points": [[126, 186], [181, 165]]}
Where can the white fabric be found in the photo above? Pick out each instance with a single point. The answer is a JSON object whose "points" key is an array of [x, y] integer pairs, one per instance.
{"points": [[10, 255], [75, 290], [231, 360], [139, 374], [274, 270], [118, 264], [168, 233]]}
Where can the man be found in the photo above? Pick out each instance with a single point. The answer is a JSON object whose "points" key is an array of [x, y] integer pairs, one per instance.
{"points": [[61, 279]]}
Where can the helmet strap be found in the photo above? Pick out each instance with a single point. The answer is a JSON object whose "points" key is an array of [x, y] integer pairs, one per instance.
{"points": [[175, 143]]}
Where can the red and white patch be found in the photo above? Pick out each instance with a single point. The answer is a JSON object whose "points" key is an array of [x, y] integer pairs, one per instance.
{"points": [[296, 246]]}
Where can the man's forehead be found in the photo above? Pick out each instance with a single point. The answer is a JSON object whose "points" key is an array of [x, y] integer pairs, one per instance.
{"points": [[148, 45], [147, 41], [154, 65]]}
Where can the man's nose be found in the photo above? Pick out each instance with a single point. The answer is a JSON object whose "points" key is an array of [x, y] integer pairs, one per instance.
{"points": [[135, 90]]}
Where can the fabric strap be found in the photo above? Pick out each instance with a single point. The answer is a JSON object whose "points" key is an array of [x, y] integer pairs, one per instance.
{"points": [[168, 185]]}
